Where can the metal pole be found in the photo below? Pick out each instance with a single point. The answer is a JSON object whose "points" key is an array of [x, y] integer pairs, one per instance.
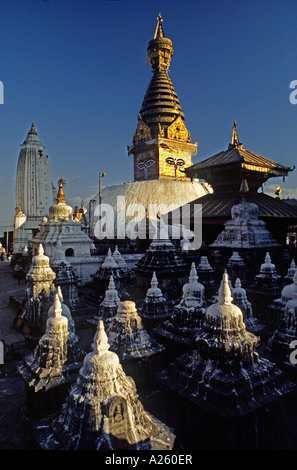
{"points": [[100, 188], [101, 175], [7, 239]]}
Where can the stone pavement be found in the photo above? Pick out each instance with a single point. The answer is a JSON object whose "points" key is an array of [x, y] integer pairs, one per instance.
{"points": [[15, 431], [9, 287]]}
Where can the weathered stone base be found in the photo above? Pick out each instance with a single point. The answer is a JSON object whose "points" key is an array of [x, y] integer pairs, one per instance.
{"points": [[47, 440]]}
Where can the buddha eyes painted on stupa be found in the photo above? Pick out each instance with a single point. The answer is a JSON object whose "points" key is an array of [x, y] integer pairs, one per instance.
{"points": [[176, 162], [142, 165]]}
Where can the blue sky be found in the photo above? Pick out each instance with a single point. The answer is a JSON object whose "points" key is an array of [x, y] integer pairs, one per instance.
{"points": [[77, 69]]}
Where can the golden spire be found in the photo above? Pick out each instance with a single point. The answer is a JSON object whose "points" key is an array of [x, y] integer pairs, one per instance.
{"points": [[61, 195], [33, 129], [160, 50], [159, 33]]}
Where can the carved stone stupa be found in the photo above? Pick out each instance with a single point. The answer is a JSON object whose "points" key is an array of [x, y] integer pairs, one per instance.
{"points": [[40, 278], [108, 268], [51, 352], [45, 371], [245, 229], [65, 276], [205, 271], [240, 299], [127, 336], [123, 268], [282, 338], [109, 305], [236, 267], [75, 352], [290, 273], [154, 308], [188, 315], [267, 280], [102, 410], [225, 377], [162, 258], [276, 308]]}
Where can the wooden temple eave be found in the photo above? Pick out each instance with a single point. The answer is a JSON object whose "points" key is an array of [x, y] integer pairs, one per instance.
{"points": [[260, 169]]}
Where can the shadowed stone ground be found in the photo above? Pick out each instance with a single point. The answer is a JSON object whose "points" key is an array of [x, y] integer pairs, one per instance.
{"points": [[15, 431]]}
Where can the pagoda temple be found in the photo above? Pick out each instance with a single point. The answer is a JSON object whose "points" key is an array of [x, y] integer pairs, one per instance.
{"points": [[225, 171]]}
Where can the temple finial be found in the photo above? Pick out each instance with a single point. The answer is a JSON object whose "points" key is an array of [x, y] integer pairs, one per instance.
{"points": [[159, 33], [111, 284], [154, 280], [235, 139], [33, 129], [100, 344], [225, 291], [40, 249], [193, 274], [57, 306], [61, 195], [160, 50], [59, 292]]}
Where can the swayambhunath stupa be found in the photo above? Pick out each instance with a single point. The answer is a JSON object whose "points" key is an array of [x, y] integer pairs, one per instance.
{"points": [[122, 327]]}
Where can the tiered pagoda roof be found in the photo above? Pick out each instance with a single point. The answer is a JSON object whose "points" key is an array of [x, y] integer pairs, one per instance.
{"points": [[225, 170]]}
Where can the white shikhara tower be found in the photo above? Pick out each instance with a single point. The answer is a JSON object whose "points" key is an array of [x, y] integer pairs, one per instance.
{"points": [[34, 189]]}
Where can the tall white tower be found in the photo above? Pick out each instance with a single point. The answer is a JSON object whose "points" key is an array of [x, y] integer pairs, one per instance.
{"points": [[34, 189]]}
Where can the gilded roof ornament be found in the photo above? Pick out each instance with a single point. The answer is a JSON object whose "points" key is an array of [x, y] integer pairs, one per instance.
{"points": [[159, 33], [33, 129], [61, 195], [235, 139], [159, 51]]}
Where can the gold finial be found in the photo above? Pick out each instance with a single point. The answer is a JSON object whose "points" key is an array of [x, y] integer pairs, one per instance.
{"points": [[33, 129], [61, 195], [159, 33], [235, 139]]}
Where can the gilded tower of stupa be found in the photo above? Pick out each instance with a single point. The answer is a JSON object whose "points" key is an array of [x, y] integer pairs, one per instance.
{"points": [[161, 144]]}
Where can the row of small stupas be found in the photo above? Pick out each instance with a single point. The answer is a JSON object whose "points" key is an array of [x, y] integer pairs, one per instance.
{"points": [[98, 404], [163, 260], [57, 361], [198, 343]]}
